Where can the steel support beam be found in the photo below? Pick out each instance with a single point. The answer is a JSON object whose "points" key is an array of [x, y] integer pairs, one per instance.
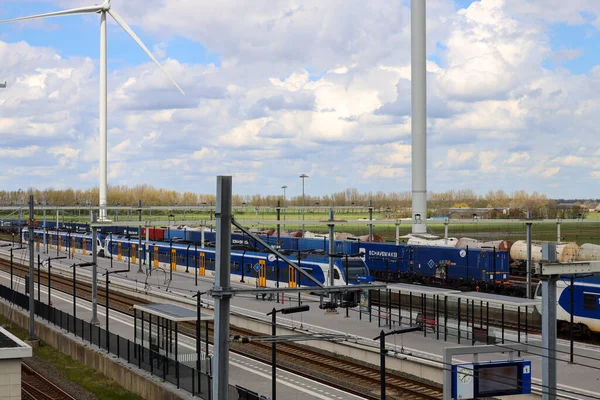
{"points": [[549, 337], [222, 282], [528, 270], [32, 335], [95, 320]]}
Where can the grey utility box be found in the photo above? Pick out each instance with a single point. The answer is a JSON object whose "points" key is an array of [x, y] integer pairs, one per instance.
{"points": [[549, 252]]}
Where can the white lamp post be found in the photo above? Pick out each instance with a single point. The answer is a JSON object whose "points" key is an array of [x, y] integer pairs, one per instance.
{"points": [[303, 176], [284, 187]]}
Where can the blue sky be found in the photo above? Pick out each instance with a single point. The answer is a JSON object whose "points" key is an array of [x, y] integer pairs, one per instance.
{"points": [[78, 35], [275, 89]]}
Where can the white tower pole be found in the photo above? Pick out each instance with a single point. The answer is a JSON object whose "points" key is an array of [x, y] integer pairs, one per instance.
{"points": [[419, 116], [103, 118]]}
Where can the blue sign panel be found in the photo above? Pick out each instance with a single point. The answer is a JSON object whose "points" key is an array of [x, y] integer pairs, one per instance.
{"points": [[256, 267]]}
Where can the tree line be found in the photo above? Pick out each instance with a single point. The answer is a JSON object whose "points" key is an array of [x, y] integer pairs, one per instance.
{"points": [[396, 204]]}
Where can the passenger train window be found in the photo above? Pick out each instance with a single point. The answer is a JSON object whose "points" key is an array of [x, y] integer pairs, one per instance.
{"points": [[336, 274], [590, 301]]}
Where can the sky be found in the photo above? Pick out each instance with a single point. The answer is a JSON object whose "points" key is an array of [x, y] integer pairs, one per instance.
{"points": [[275, 89]]}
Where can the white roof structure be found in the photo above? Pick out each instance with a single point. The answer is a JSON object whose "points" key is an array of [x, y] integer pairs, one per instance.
{"points": [[172, 312]]}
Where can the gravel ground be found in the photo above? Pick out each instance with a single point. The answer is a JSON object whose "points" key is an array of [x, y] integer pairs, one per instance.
{"points": [[48, 371]]}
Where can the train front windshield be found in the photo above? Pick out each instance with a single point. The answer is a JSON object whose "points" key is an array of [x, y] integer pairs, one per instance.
{"points": [[355, 267]]}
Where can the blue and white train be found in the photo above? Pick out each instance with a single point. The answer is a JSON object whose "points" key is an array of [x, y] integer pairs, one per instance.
{"points": [[251, 267], [586, 304], [80, 243]]}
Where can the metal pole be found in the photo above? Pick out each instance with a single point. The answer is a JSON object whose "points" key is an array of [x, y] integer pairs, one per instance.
{"points": [[331, 250], [382, 362], [140, 251], [49, 283], [32, 335], [278, 226], [558, 231], [106, 327], [74, 290], [419, 115], [398, 233], [95, 320], [148, 266], [38, 276], [572, 311], [446, 231], [284, 187], [528, 259], [198, 336], [45, 231], [222, 282], [11, 268], [549, 338], [370, 219], [274, 355]]}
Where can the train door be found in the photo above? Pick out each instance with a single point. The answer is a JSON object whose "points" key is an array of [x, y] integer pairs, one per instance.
{"points": [[155, 256], [50, 240], [73, 242], [262, 273], [133, 252], [202, 264], [37, 243], [173, 259], [120, 251], [84, 246], [292, 277], [59, 240]]}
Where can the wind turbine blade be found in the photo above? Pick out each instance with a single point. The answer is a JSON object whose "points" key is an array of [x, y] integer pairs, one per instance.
{"points": [[127, 29], [82, 10]]}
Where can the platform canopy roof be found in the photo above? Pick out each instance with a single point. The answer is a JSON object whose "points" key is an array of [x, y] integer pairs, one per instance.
{"points": [[497, 299], [172, 312], [421, 289]]}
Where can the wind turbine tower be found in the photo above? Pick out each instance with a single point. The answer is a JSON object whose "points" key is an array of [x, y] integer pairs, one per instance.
{"points": [[102, 9], [418, 116]]}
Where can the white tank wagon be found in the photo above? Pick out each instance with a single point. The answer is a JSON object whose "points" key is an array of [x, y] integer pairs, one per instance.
{"points": [[475, 244], [463, 242], [588, 252], [565, 252]]}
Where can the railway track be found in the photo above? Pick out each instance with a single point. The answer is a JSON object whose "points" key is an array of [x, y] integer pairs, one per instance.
{"points": [[351, 376], [35, 387]]}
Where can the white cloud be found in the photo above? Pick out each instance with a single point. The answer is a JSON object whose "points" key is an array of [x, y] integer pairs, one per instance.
{"points": [[382, 171], [517, 158], [549, 172], [22, 152], [572, 161], [455, 158]]}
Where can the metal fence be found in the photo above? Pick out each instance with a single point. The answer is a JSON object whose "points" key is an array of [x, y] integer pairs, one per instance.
{"points": [[191, 380]]}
